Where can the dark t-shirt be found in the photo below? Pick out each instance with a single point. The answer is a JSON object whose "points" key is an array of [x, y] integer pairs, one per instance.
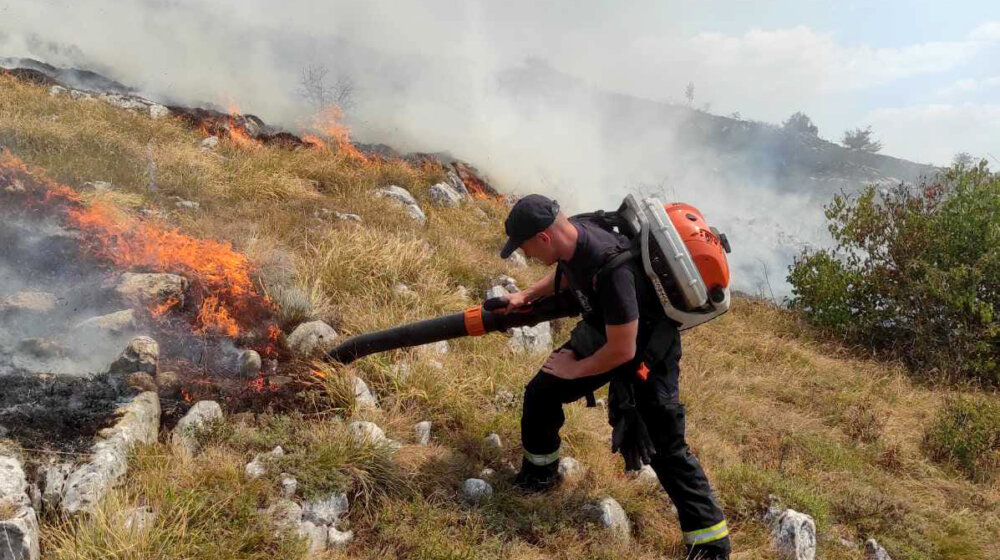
{"points": [[624, 294]]}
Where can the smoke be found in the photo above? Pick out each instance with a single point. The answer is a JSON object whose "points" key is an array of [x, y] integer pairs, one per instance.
{"points": [[464, 77]]}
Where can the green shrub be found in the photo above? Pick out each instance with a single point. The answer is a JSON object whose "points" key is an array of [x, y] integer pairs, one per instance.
{"points": [[966, 434], [915, 273]]}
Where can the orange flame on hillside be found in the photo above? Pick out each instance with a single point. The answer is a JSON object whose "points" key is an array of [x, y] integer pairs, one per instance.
{"points": [[330, 122], [230, 304]]}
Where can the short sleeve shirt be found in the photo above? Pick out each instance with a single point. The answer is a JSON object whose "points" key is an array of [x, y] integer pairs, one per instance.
{"points": [[625, 294]]}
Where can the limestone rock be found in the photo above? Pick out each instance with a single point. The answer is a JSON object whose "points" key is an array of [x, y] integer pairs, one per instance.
{"points": [[793, 534], [422, 432], [493, 441], [140, 382], [168, 383], [158, 111], [138, 519], [517, 259], [56, 91], [210, 143], [312, 338], [536, 339], [456, 183], [439, 348], [403, 198], [404, 291], [497, 292], [141, 354], [285, 513], [346, 217], [53, 480], [139, 422], [258, 467], [197, 417], [326, 511], [19, 535], [249, 363], [336, 538], [27, 302], [182, 204], [645, 475], [363, 396], [874, 551], [113, 323], [610, 515], [315, 535], [289, 485], [367, 433], [570, 469], [442, 194], [13, 482], [152, 289], [477, 490]]}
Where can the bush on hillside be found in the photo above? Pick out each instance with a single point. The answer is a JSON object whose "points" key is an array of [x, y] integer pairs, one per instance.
{"points": [[801, 123], [966, 434], [915, 273]]}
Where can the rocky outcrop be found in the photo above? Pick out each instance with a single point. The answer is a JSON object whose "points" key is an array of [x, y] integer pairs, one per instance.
{"points": [[536, 339], [258, 467], [139, 422], [366, 433], [793, 534], [476, 490], [27, 303], [18, 519], [141, 354], [363, 396], [442, 194], [422, 432], [152, 289], [874, 551], [112, 323]]}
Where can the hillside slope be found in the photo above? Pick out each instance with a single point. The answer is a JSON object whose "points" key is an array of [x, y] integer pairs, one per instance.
{"points": [[772, 409]]}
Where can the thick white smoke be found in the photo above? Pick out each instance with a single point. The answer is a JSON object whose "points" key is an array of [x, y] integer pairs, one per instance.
{"points": [[429, 76]]}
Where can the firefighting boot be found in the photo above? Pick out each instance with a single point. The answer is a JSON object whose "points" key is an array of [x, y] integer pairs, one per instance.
{"points": [[536, 478]]}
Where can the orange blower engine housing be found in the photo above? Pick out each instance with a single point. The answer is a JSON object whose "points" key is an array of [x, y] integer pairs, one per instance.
{"points": [[707, 246]]}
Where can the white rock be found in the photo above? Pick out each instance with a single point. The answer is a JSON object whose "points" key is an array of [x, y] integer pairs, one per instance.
{"points": [[326, 511], [54, 479], [187, 204], [315, 535], [793, 533], [286, 514], [493, 441], [497, 292], [536, 339], [402, 371], [435, 364], [289, 485], [645, 475], [56, 91], [199, 415], [477, 490], [345, 217], [610, 515], [463, 292], [403, 290], [101, 186], [486, 473], [158, 111], [517, 259], [570, 469], [28, 302], [152, 289], [115, 323], [422, 432], [874, 551], [311, 338], [403, 198], [367, 433], [363, 396], [139, 422], [336, 538], [13, 482], [439, 348], [258, 467], [249, 363], [141, 354], [456, 184], [442, 194], [507, 282], [138, 519], [210, 143], [19, 535]]}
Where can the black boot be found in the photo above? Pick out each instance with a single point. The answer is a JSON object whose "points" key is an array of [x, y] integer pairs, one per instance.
{"points": [[535, 478], [714, 550]]}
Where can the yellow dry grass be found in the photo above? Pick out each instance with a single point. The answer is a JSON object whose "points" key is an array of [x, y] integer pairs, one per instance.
{"points": [[772, 409]]}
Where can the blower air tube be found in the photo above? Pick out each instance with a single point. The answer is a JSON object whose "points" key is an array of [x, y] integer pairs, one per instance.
{"points": [[474, 321]]}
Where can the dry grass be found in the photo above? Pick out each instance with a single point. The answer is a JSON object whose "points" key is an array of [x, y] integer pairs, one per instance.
{"points": [[772, 410]]}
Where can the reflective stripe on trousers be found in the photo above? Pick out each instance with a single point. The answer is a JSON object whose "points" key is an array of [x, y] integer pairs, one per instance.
{"points": [[542, 460], [718, 531]]}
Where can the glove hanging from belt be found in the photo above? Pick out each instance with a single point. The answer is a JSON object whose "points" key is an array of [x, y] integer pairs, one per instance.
{"points": [[629, 435]]}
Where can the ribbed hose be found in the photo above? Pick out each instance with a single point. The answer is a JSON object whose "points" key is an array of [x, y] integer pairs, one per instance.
{"points": [[473, 322]]}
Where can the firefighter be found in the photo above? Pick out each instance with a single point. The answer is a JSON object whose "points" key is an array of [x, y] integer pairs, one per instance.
{"points": [[625, 339]]}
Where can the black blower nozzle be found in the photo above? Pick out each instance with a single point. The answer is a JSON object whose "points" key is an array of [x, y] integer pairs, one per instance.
{"points": [[474, 321]]}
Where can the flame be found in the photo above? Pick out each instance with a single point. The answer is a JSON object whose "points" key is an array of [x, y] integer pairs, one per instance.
{"points": [[329, 121], [318, 374], [316, 141], [186, 396], [164, 307], [230, 304]]}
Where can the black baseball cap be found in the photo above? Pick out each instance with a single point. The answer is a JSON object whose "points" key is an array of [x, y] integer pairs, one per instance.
{"points": [[530, 215]]}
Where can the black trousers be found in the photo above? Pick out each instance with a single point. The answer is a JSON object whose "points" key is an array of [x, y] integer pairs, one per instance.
{"points": [[677, 468]]}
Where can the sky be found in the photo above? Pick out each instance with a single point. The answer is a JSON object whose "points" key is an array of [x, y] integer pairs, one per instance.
{"points": [[429, 75]]}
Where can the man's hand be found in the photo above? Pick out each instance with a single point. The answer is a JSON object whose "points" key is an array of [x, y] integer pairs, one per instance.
{"points": [[562, 364], [516, 301]]}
